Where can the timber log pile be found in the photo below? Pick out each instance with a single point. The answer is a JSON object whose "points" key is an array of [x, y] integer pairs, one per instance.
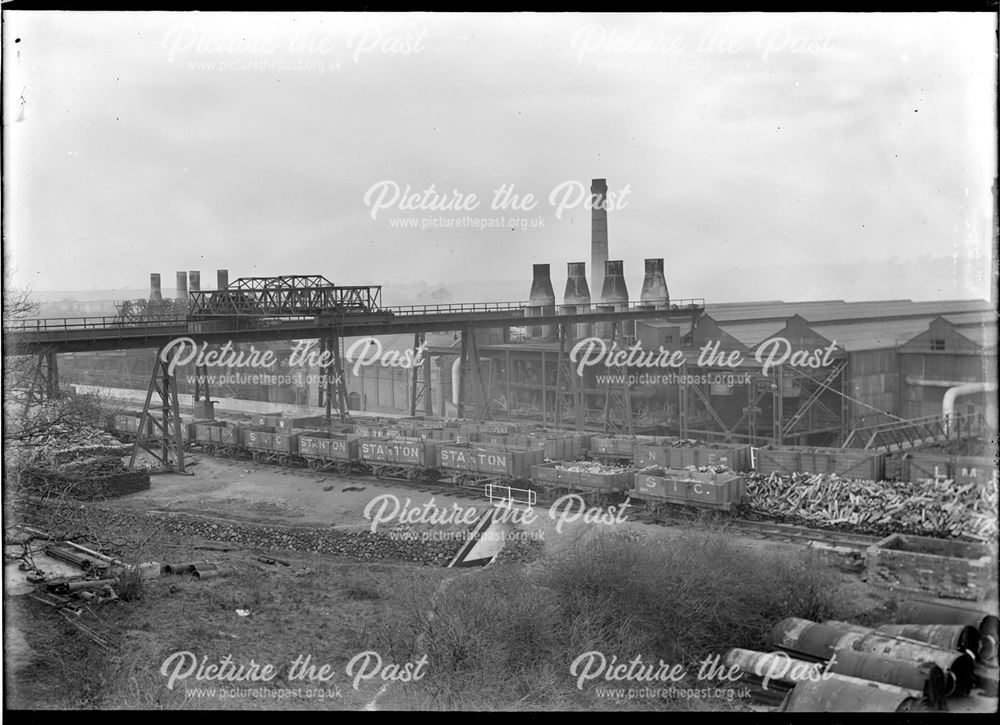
{"points": [[929, 508], [80, 462]]}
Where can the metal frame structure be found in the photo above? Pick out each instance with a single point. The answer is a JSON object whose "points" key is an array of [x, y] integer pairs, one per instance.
{"points": [[166, 443], [285, 296], [903, 434]]}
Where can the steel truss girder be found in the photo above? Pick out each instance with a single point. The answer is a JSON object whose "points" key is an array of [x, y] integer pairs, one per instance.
{"points": [[288, 295]]}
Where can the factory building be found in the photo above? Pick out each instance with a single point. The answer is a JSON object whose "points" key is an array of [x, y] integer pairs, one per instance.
{"points": [[860, 364]]}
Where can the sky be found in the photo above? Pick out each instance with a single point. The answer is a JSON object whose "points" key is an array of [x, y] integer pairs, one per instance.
{"points": [[764, 156]]}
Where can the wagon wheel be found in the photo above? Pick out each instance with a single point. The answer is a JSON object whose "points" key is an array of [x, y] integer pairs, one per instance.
{"points": [[313, 464], [283, 461], [377, 471], [343, 467], [412, 474], [256, 456], [210, 449]]}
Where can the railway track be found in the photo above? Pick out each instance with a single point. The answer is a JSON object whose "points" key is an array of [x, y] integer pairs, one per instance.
{"points": [[789, 533]]}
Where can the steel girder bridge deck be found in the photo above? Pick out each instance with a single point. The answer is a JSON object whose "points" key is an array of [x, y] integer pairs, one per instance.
{"points": [[285, 308]]}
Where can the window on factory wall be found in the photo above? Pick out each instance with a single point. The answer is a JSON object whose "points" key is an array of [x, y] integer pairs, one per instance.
{"points": [[937, 344]]}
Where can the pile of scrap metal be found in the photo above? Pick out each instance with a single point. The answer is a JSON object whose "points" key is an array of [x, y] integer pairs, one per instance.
{"points": [[932, 653]]}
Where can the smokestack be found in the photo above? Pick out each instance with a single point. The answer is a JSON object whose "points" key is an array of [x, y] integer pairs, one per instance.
{"points": [[182, 286], [194, 281], [577, 297], [654, 285], [598, 233], [154, 288], [614, 295], [222, 278], [541, 301]]}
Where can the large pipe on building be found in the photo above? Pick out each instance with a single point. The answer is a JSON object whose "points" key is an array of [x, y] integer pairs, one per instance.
{"points": [[576, 299], [956, 389], [182, 286], [222, 279], [194, 281], [654, 286], [952, 394], [541, 301], [598, 233], [614, 296], [456, 375], [155, 295]]}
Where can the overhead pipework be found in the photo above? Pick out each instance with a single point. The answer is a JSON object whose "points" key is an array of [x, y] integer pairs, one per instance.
{"points": [[541, 302]]}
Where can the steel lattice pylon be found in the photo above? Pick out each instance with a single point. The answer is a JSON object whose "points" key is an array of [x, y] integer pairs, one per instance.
{"points": [[160, 435]]}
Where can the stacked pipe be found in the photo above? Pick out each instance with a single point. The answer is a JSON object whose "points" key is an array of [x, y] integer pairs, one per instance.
{"points": [[576, 299], [614, 296], [541, 302], [813, 641]]}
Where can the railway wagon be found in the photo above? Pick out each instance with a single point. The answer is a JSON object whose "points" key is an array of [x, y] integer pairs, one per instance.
{"points": [[477, 465], [960, 469], [267, 420], [599, 487], [657, 489], [125, 425], [265, 443], [731, 455], [312, 422], [862, 464], [622, 448], [377, 430], [447, 435], [322, 450], [501, 427], [407, 459]]}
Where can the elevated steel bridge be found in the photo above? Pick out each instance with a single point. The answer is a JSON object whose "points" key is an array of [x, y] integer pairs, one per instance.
{"points": [[83, 334]]}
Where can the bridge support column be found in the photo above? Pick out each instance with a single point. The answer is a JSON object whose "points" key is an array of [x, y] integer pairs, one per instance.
{"points": [[470, 369], [620, 397], [204, 410], [333, 371], [160, 423]]}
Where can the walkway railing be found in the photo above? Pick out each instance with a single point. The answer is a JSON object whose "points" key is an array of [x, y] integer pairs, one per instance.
{"points": [[111, 322]]}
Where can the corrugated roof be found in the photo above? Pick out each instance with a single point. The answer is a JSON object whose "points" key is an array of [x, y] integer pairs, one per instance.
{"points": [[830, 310]]}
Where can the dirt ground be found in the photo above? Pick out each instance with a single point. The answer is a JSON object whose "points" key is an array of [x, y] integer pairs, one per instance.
{"points": [[245, 491], [320, 604]]}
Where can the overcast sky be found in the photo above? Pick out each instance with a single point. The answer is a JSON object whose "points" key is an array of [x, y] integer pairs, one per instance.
{"points": [[273, 144]]}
